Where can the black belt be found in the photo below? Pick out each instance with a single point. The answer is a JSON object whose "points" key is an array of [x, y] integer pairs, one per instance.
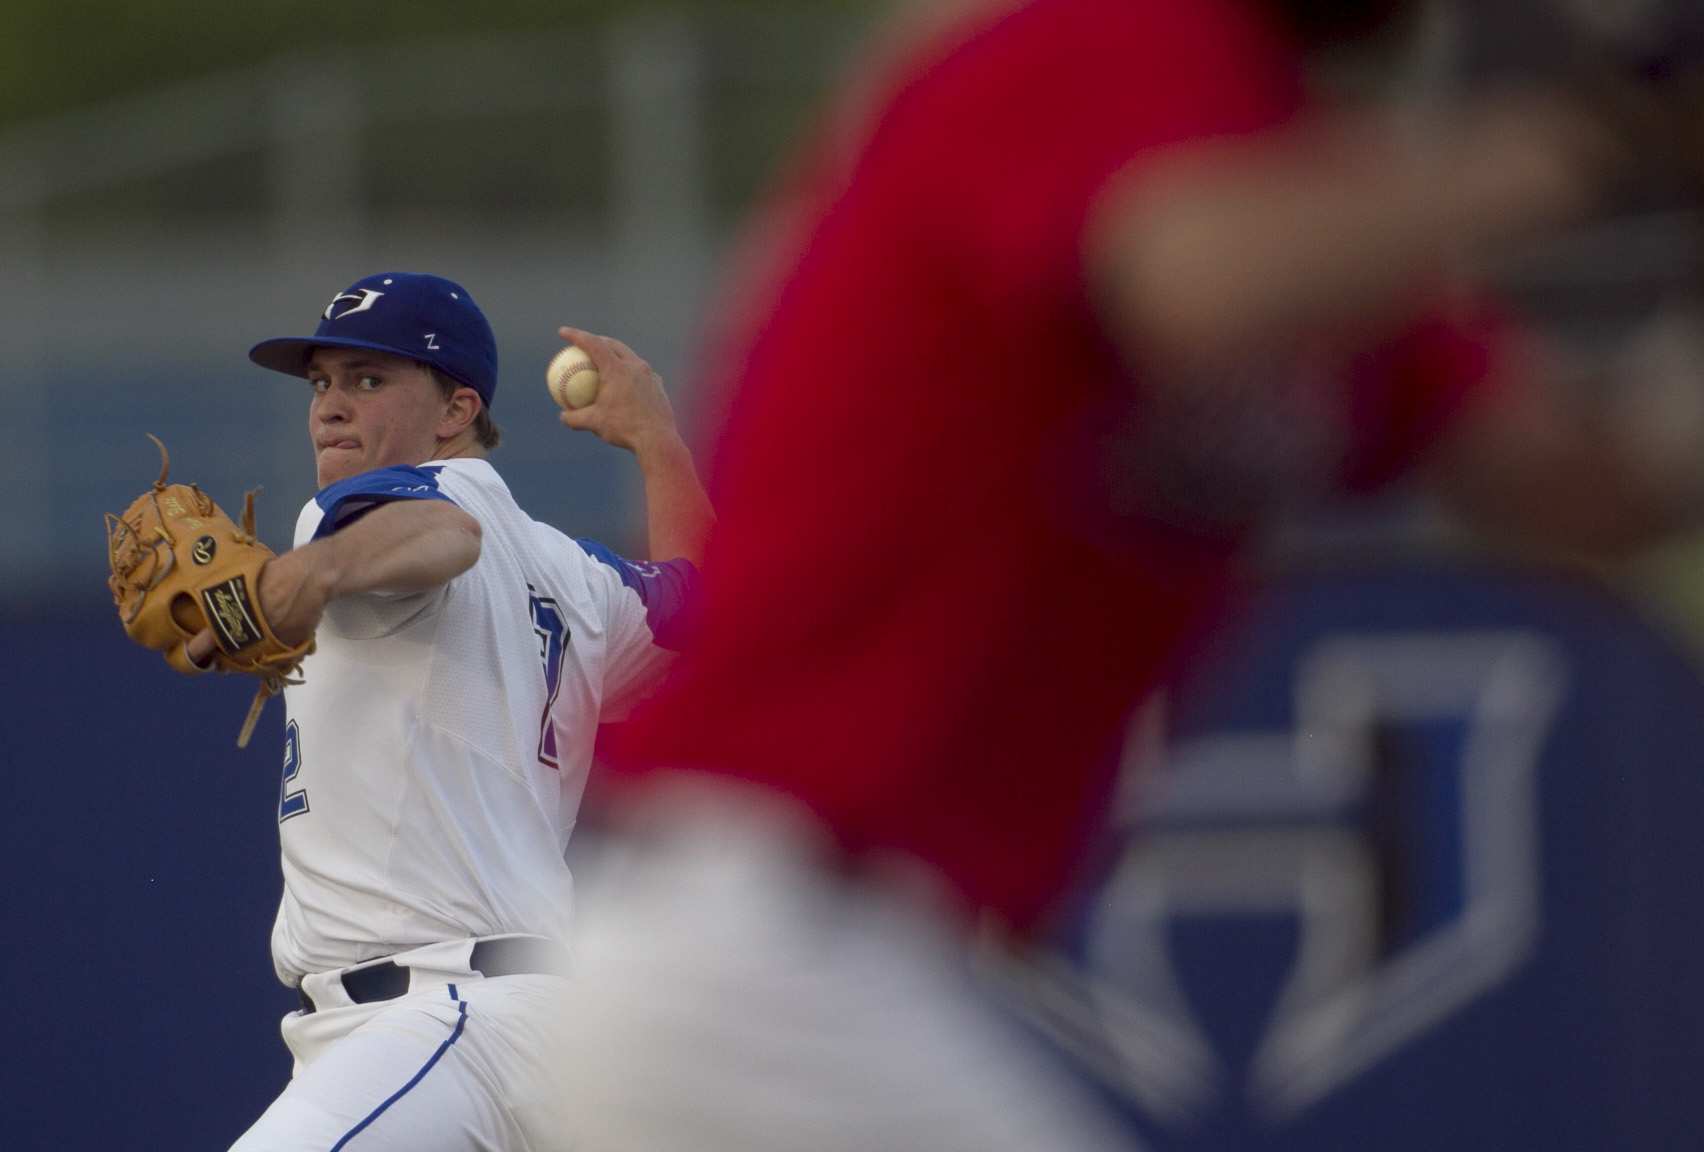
{"points": [[501, 956]]}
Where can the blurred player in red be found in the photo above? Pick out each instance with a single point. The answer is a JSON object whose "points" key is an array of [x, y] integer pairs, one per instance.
{"points": [[1070, 296]]}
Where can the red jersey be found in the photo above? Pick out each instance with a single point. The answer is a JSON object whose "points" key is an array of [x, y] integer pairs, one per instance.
{"points": [[924, 621]]}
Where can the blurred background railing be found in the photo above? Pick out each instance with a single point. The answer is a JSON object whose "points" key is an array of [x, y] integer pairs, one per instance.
{"points": [[588, 176]]}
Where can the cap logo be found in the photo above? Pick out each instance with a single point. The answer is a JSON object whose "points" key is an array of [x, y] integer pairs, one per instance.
{"points": [[432, 341], [363, 299]]}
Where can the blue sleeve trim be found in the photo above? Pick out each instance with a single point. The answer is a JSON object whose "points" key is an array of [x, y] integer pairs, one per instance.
{"points": [[350, 499], [671, 591]]}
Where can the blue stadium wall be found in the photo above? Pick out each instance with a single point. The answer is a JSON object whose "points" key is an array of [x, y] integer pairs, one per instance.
{"points": [[140, 854], [1420, 869], [139, 847]]}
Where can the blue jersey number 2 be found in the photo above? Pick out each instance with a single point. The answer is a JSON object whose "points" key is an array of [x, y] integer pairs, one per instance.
{"points": [[552, 643], [291, 803]]}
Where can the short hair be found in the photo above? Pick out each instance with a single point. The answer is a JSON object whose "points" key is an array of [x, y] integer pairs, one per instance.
{"points": [[484, 427]]}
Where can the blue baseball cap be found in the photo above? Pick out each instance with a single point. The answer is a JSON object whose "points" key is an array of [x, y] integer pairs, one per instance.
{"points": [[425, 318]]}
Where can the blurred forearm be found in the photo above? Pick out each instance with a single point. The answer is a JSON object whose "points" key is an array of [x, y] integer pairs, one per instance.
{"points": [[1337, 225]]}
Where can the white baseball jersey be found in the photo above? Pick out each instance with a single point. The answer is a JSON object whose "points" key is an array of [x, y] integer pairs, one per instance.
{"points": [[436, 750]]}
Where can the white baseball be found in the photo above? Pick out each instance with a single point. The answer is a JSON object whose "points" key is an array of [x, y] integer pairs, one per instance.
{"points": [[572, 378]]}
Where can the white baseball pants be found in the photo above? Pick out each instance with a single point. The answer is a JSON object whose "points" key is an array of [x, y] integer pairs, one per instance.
{"points": [[458, 1063]]}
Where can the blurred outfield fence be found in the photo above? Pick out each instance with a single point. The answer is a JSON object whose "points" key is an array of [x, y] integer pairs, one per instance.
{"points": [[587, 177]]}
